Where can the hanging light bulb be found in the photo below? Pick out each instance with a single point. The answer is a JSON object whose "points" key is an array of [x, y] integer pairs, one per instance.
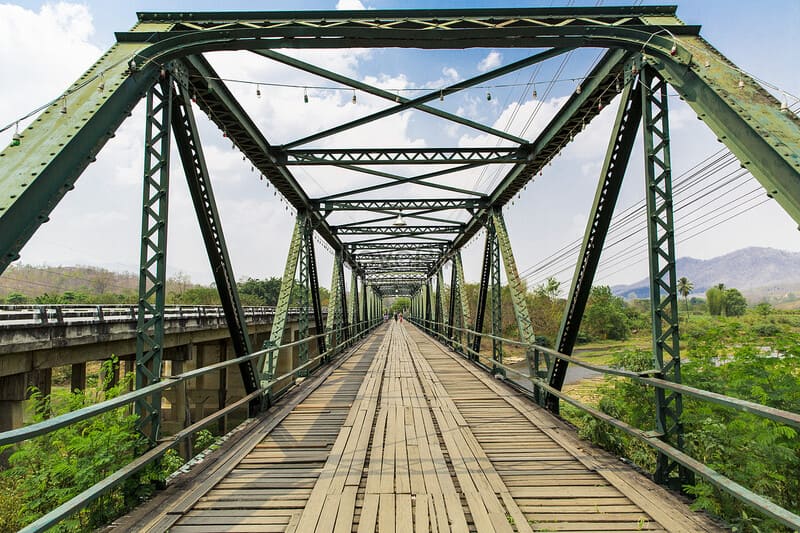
{"points": [[785, 103], [674, 49], [194, 98], [101, 87], [258, 91], [599, 105], [397, 97], [618, 85], [16, 139], [488, 96], [64, 105], [741, 83], [535, 94], [441, 95], [634, 70], [578, 89], [399, 221], [305, 95], [354, 97]]}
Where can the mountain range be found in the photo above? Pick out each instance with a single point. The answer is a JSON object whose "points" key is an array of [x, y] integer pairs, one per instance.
{"points": [[759, 273]]}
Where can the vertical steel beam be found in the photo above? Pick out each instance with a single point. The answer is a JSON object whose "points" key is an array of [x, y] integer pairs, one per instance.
{"points": [[437, 314], [497, 305], [354, 319], [463, 302], [187, 140], [313, 284], [153, 257], [366, 314], [515, 285], [620, 145], [451, 316], [303, 282], [428, 297], [661, 251], [443, 308], [483, 292], [333, 337], [345, 322], [270, 363]]}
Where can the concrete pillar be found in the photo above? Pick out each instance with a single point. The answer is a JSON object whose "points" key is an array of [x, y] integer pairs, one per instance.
{"points": [[12, 400], [78, 379], [42, 379], [180, 410], [222, 387]]}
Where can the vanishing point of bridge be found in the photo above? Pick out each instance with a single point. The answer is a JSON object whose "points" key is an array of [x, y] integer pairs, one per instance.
{"points": [[417, 425]]}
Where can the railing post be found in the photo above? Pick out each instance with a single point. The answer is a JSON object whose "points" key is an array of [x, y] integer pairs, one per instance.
{"points": [[661, 251]]}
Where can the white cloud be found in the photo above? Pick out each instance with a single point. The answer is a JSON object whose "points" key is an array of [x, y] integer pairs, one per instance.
{"points": [[493, 60], [450, 73], [350, 5]]}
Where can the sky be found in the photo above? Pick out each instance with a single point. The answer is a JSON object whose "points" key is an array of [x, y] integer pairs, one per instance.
{"points": [[48, 45]]}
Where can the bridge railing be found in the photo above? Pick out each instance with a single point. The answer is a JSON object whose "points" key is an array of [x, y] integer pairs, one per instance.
{"points": [[14, 316], [153, 454], [534, 353]]}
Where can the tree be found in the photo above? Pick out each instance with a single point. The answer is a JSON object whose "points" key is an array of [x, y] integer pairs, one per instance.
{"points": [[685, 287], [16, 298], [549, 289], [605, 315], [715, 296], [735, 303]]}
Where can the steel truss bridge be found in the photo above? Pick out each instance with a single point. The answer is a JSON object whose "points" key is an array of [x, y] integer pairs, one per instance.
{"points": [[401, 243]]}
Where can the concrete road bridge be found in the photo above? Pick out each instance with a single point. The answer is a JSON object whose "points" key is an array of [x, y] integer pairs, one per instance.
{"points": [[402, 426]]}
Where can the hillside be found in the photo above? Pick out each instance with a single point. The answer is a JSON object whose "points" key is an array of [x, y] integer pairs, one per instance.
{"points": [[760, 273]]}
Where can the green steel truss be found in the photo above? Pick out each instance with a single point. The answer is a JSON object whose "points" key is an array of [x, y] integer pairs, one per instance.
{"points": [[623, 135], [153, 262], [190, 149], [396, 244], [661, 252]]}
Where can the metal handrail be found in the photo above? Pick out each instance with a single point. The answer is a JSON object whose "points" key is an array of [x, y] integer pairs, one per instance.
{"points": [[95, 491], [722, 482]]}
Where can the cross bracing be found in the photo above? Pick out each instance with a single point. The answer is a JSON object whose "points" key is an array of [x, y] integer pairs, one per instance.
{"points": [[411, 212]]}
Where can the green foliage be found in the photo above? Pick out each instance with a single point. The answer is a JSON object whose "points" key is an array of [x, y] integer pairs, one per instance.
{"points": [[16, 298], [764, 309], [48, 470], [196, 296], [760, 454], [265, 291], [605, 316], [399, 304], [735, 303], [716, 301]]}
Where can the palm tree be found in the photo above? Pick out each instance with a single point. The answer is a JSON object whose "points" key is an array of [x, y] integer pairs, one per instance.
{"points": [[685, 287]]}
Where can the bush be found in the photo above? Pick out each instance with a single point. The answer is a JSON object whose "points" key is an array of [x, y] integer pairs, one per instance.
{"points": [[765, 329], [48, 470]]}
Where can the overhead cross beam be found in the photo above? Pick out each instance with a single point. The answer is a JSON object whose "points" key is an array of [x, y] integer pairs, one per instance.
{"points": [[400, 205], [403, 156]]}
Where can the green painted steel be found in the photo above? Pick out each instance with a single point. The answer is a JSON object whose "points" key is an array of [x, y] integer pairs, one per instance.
{"points": [[270, 364], [350, 82], [463, 301], [623, 136], [187, 139], [496, 291], [515, 285], [153, 258], [661, 253]]}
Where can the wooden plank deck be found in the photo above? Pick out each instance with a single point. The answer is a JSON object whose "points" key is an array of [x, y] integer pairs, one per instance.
{"points": [[405, 436]]}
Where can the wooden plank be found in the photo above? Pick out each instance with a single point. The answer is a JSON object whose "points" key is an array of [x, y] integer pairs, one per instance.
{"points": [[347, 506], [386, 513], [404, 520], [369, 514]]}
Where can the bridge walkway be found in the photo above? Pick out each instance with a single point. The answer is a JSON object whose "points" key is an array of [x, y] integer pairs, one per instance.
{"points": [[403, 436]]}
